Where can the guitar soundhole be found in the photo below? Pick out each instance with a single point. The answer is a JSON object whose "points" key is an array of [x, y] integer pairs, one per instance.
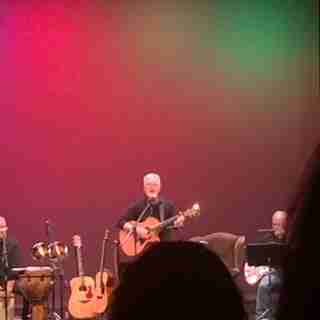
{"points": [[83, 288], [89, 294]]}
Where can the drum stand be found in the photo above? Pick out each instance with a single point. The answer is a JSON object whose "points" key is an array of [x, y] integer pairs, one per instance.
{"points": [[6, 302], [5, 278], [58, 274]]}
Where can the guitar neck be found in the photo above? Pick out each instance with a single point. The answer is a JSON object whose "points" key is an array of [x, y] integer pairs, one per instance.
{"points": [[164, 223], [80, 264], [167, 222], [102, 257]]}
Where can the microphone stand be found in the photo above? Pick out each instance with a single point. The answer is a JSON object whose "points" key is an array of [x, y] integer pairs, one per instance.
{"points": [[134, 229], [150, 202], [135, 234], [56, 269], [116, 260], [53, 265], [58, 272], [62, 287]]}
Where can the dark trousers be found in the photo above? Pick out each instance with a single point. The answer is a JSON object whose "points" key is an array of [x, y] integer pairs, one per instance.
{"points": [[268, 295]]}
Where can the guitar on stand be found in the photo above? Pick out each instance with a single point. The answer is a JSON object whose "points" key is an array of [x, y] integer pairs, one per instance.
{"points": [[103, 287], [132, 245], [80, 303]]}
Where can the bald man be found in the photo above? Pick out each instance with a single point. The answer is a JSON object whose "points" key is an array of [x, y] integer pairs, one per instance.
{"points": [[269, 286]]}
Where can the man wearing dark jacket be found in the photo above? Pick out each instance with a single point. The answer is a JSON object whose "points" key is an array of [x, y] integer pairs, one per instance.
{"points": [[10, 257]]}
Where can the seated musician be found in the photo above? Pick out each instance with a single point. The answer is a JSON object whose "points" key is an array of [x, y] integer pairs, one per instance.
{"points": [[151, 205], [10, 256], [269, 285]]}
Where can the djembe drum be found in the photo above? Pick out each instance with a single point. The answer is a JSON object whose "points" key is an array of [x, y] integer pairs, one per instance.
{"points": [[10, 303], [35, 284]]}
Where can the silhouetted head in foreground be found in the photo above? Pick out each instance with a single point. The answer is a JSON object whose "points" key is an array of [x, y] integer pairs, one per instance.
{"points": [[300, 285], [177, 279]]}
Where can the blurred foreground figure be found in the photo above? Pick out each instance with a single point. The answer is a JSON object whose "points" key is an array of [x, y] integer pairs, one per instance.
{"points": [[177, 280], [301, 282]]}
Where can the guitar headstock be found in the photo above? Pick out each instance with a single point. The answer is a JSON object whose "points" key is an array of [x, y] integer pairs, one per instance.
{"points": [[76, 241], [193, 211]]}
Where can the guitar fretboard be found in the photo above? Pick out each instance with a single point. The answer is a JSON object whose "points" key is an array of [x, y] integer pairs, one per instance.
{"points": [[79, 262]]}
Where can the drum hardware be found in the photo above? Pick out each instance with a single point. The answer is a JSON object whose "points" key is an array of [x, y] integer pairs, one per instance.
{"points": [[53, 253], [56, 250]]}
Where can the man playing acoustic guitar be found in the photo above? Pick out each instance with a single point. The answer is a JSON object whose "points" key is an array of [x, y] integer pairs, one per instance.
{"points": [[135, 231]]}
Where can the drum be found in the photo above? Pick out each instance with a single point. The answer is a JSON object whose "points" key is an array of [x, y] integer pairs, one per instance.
{"points": [[35, 283], [10, 302], [10, 308]]}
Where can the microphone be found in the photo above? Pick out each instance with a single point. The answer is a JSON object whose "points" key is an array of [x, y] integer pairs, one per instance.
{"points": [[48, 230], [265, 230]]}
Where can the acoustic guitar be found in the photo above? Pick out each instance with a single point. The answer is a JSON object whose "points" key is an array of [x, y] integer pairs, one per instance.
{"points": [[80, 303], [132, 245], [104, 282]]}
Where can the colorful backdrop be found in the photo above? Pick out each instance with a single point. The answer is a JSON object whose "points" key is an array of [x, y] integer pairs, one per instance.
{"points": [[219, 97]]}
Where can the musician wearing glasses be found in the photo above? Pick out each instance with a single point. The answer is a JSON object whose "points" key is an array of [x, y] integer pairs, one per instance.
{"points": [[152, 205], [136, 225], [10, 256]]}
